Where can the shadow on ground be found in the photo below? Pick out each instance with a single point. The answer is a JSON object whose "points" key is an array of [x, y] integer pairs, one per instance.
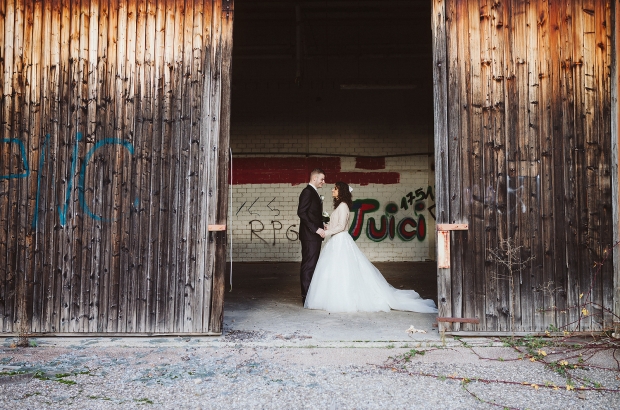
{"points": [[265, 302]]}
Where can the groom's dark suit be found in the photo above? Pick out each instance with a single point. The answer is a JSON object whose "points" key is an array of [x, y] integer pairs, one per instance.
{"points": [[310, 213]]}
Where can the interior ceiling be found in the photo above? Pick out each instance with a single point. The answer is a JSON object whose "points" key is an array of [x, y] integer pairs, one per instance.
{"points": [[298, 32]]}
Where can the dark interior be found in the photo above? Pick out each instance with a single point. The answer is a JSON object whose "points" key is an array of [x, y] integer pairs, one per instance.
{"points": [[360, 63], [345, 61]]}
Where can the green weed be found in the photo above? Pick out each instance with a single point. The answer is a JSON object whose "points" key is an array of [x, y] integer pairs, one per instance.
{"points": [[144, 400]]}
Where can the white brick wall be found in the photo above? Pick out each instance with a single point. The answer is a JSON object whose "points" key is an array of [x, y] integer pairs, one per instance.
{"points": [[275, 205]]}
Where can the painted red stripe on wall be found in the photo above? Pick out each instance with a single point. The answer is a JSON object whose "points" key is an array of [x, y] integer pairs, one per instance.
{"points": [[364, 178], [370, 163], [296, 170], [278, 170]]}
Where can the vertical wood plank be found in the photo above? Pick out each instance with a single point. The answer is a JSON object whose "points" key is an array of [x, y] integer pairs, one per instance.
{"points": [[570, 178], [214, 122], [127, 216], [532, 144], [36, 137], [498, 155], [164, 172], [14, 163], [152, 193], [477, 227], [454, 73], [602, 46], [469, 299], [93, 195], [604, 28], [217, 307], [558, 298], [10, 97], [204, 252], [69, 209], [615, 157], [176, 180], [138, 236], [592, 151], [90, 185], [171, 163], [187, 296], [37, 223], [579, 157], [25, 77], [488, 180], [157, 204], [515, 150], [547, 41], [83, 233], [7, 23], [440, 104], [108, 312], [117, 220], [51, 221], [66, 144], [198, 53]]}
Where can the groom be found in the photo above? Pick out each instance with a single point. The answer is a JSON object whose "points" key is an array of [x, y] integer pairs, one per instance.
{"points": [[311, 233]]}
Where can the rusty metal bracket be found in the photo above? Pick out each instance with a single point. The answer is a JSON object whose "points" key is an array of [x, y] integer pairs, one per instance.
{"points": [[443, 242], [452, 227]]}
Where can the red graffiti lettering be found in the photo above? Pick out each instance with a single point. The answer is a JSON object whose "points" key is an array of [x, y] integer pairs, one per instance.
{"points": [[361, 207]]}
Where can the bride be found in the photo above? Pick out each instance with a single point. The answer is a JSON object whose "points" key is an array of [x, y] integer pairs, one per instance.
{"points": [[344, 279]]}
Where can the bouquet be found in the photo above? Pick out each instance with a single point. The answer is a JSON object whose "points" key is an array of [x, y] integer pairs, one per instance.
{"points": [[325, 217]]}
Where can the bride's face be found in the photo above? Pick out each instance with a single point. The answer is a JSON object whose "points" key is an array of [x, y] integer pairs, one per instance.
{"points": [[334, 192]]}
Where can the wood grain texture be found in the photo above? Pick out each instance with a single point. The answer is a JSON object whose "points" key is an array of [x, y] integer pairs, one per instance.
{"points": [[455, 144], [532, 127], [103, 156], [464, 242], [442, 188], [123, 116], [615, 156]]}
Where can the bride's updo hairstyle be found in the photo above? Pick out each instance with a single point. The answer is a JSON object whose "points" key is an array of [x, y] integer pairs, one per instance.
{"points": [[344, 195]]}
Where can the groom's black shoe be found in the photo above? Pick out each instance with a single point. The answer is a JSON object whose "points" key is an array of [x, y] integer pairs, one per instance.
{"points": [[303, 300]]}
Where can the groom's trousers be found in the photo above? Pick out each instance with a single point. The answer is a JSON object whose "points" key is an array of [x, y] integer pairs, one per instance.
{"points": [[310, 251]]}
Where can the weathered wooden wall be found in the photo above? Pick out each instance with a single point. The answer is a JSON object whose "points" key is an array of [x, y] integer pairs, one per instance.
{"points": [[523, 152], [114, 145]]}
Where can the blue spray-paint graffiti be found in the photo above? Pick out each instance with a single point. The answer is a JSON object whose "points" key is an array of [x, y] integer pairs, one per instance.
{"points": [[35, 219], [107, 141], [22, 151], [62, 208]]}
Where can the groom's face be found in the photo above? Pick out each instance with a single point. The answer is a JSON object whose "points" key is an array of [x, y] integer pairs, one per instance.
{"points": [[318, 180]]}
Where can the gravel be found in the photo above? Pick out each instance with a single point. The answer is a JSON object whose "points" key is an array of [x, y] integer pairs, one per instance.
{"points": [[249, 376]]}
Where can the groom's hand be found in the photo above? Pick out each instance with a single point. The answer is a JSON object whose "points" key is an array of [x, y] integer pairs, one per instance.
{"points": [[321, 232]]}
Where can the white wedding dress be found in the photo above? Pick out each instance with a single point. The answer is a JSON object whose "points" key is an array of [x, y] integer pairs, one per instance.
{"points": [[345, 281]]}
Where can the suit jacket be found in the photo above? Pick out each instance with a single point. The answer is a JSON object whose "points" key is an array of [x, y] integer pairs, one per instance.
{"points": [[310, 210]]}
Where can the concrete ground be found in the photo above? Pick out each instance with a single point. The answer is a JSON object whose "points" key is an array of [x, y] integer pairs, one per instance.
{"points": [[276, 355], [265, 299]]}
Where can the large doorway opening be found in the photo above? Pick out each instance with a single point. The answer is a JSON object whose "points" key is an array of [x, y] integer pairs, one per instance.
{"points": [[345, 86]]}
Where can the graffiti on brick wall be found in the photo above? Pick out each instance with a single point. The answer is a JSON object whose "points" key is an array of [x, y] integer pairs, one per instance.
{"points": [[388, 225], [257, 227], [267, 228], [271, 228]]}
